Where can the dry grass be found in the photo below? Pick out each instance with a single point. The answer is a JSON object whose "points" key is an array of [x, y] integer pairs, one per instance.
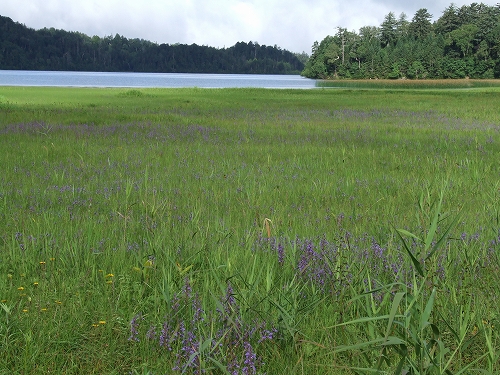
{"points": [[412, 84]]}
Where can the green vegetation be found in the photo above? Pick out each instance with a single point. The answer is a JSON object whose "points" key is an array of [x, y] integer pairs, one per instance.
{"points": [[23, 48], [249, 231], [426, 84], [463, 42]]}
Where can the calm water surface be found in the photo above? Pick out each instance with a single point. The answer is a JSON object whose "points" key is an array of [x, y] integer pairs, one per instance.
{"points": [[111, 79]]}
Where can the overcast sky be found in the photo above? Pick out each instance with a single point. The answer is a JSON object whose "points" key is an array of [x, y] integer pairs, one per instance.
{"points": [[290, 24]]}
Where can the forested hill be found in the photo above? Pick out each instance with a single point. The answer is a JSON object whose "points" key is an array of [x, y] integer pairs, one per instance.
{"points": [[463, 42], [24, 48]]}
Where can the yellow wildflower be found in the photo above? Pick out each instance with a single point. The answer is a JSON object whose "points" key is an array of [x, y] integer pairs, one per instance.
{"points": [[41, 263], [102, 322], [21, 288], [25, 310], [35, 283], [110, 275]]}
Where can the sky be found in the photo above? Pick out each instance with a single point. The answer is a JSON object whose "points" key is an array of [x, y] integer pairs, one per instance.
{"points": [[293, 25]]}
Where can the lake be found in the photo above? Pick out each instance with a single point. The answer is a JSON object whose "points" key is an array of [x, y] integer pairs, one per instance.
{"points": [[172, 80]]}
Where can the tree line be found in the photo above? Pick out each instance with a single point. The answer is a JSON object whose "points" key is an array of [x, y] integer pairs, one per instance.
{"points": [[23, 48], [463, 42]]}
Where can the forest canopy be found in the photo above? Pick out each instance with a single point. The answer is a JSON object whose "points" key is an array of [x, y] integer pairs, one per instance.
{"points": [[23, 48], [463, 42]]}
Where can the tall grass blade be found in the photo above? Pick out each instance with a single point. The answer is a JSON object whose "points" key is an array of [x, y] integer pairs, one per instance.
{"points": [[424, 318], [414, 260], [434, 224], [365, 320], [379, 342], [392, 315], [444, 236]]}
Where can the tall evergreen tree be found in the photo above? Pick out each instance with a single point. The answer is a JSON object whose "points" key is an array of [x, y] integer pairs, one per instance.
{"points": [[448, 21], [388, 30], [402, 26], [421, 26]]}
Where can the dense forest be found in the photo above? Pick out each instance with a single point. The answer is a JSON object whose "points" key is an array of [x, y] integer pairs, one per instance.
{"points": [[24, 48], [463, 42]]}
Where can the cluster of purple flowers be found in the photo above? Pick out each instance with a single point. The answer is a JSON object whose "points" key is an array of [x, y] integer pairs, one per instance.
{"points": [[134, 326], [229, 335], [273, 245], [317, 262], [328, 266], [193, 336]]}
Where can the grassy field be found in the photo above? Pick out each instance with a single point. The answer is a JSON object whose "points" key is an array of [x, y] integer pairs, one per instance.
{"points": [[249, 231]]}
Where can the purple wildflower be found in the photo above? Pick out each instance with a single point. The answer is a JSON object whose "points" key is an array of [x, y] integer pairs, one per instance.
{"points": [[250, 360], [228, 303], [134, 325], [281, 254], [267, 334], [151, 334], [189, 353], [166, 336], [233, 367], [187, 290], [197, 310], [377, 250]]}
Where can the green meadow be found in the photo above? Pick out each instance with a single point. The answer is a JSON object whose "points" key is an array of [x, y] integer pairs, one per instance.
{"points": [[250, 231]]}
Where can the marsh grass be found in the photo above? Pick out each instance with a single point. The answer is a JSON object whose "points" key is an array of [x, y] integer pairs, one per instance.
{"points": [[240, 231], [411, 84]]}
